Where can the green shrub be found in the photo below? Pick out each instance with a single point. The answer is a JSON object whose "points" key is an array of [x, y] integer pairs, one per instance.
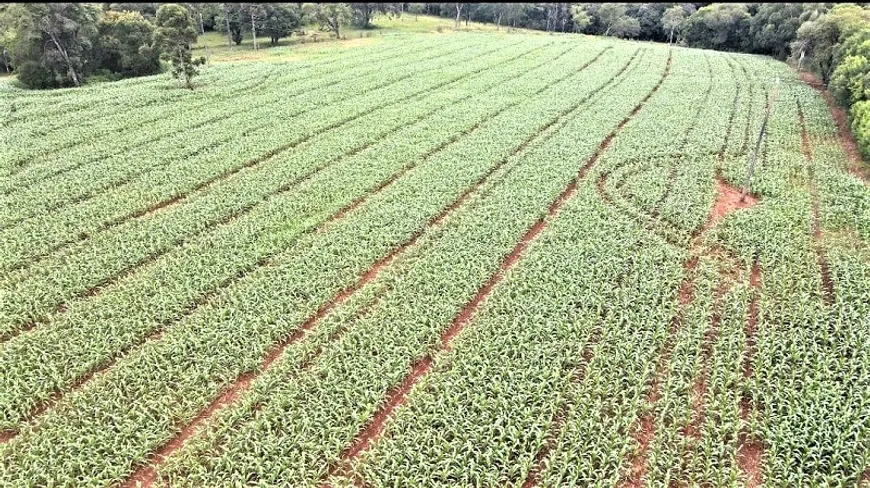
{"points": [[33, 74], [860, 113]]}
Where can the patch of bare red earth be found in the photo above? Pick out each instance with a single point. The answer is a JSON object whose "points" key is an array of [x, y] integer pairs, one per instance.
{"points": [[847, 140], [728, 199], [750, 451]]}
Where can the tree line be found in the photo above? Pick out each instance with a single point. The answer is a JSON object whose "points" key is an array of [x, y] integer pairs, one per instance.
{"points": [[55, 45], [831, 40], [60, 44]]}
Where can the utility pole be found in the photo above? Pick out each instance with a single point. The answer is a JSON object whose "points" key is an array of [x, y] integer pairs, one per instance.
{"points": [[753, 156]]}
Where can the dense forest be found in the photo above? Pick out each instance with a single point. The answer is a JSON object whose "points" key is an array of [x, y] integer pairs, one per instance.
{"points": [[62, 44]]}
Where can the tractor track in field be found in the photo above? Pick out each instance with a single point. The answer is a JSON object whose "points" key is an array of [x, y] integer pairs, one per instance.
{"points": [[147, 473], [246, 109], [137, 175], [242, 384], [397, 396], [750, 451], [699, 389], [157, 333], [148, 260], [644, 431], [818, 243], [266, 260], [165, 204], [24, 186], [681, 149], [727, 200], [236, 214], [744, 146]]}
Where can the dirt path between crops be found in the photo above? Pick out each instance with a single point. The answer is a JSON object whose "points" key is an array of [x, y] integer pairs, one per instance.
{"points": [[727, 200], [750, 451], [806, 148], [147, 473], [847, 139]]}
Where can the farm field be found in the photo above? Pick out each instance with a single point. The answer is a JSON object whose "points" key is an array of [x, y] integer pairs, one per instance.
{"points": [[468, 259]]}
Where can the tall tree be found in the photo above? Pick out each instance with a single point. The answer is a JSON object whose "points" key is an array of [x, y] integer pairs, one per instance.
{"points": [[672, 21], [125, 46], [280, 20], [723, 26], [333, 16], [821, 40], [363, 12], [175, 32], [233, 20], [611, 19], [579, 17], [58, 37], [774, 26], [456, 9]]}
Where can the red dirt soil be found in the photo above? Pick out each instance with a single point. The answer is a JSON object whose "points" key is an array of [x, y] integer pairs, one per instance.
{"points": [[395, 398], [750, 452], [644, 437], [749, 458], [147, 474], [728, 200], [842, 120]]}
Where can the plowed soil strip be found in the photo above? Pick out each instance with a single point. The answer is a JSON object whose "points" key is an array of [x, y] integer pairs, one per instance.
{"points": [[644, 432], [177, 199], [283, 189], [243, 383], [337, 216], [827, 283], [699, 390], [396, 397], [749, 450]]}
